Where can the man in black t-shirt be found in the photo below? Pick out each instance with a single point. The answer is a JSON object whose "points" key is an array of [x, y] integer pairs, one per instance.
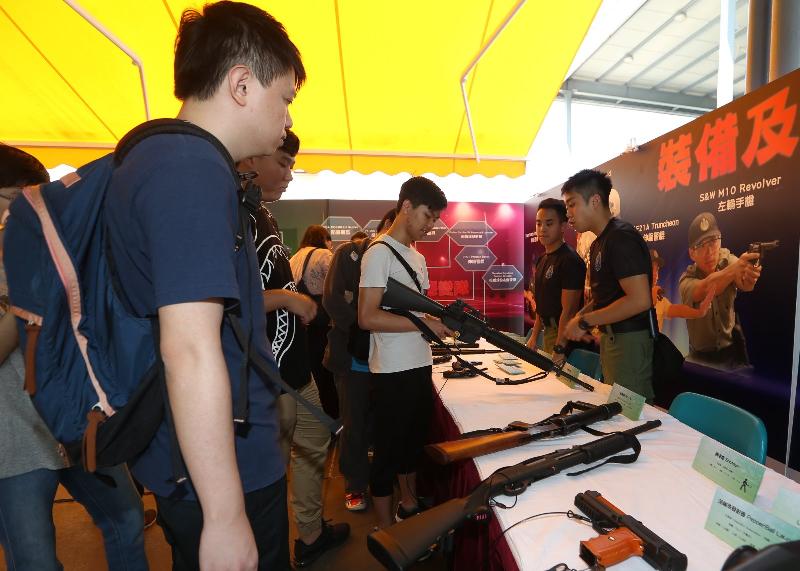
{"points": [[559, 278], [620, 274], [304, 439]]}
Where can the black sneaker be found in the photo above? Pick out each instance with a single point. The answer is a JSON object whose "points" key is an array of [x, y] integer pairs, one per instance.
{"points": [[402, 513], [331, 536]]}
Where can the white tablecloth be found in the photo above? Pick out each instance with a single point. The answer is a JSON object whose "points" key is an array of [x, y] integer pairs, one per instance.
{"points": [[660, 489]]}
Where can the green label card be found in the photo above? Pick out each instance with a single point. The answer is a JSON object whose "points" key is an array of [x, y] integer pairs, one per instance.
{"points": [[632, 403], [735, 472], [738, 523], [570, 370], [787, 506]]}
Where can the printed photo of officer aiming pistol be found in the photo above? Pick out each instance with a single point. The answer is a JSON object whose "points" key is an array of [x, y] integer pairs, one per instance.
{"points": [[716, 339]]}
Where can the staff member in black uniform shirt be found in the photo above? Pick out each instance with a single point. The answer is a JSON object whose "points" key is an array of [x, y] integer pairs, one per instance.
{"points": [[560, 274], [620, 274]]}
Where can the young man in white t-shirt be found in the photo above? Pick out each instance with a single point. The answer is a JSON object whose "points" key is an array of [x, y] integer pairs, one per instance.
{"points": [[399, 357]]}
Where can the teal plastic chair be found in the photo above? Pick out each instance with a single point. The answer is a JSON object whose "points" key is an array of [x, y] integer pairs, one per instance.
{"points": [[733, 426], [539, 338], [586, 362]]}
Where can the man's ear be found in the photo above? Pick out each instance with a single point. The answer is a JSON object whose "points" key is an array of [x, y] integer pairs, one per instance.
{"points": [[237, 80], [248, 164]]}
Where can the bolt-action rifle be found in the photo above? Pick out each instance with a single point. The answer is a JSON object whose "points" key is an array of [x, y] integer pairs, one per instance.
{"points": [[482, 442]]}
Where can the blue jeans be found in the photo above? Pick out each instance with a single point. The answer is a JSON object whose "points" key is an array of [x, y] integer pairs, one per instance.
{"points": [[27, 532]]}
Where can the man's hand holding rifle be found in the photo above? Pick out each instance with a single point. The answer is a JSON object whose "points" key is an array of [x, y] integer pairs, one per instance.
{"points": [[470, 326]]}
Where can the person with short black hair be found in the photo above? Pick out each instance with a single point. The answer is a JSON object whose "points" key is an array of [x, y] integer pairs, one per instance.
{"points": [[399, 357], [559, 276], [31, 467], [351, 369], [304, 439], [228, 35], [20, 169], [621, 277], [173, 214]]}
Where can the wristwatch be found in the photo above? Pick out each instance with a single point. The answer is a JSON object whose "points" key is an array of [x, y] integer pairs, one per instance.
{"points": [[560, 349], [583, 324]]}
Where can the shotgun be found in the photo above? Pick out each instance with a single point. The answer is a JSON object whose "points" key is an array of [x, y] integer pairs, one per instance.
{"points": [[520, 433], [400, 545]]}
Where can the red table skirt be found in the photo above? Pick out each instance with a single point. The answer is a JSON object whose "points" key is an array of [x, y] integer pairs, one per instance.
{"points": [[478, 545]]}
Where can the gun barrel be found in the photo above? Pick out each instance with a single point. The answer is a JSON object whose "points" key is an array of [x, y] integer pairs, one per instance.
{"points": [[764, 246], [654, 550], [400, 296]]}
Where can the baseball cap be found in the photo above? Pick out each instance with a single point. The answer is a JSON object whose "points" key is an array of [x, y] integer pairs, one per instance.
{"points": [[703, 226]]}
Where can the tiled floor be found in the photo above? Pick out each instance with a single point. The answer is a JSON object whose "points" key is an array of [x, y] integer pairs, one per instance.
{"points": [[80, 545]]}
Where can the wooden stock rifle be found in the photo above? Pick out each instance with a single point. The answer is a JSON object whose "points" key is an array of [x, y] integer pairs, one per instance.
{"points": [[482, 442], [399, 546]]}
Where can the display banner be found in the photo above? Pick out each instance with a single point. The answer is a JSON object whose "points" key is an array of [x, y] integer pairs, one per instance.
{"points": [[473, 252], [725, 183]]}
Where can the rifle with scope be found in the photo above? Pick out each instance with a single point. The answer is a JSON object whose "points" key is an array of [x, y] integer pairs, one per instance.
{"points": [[469, 325], [400, 545], [520, 433]]}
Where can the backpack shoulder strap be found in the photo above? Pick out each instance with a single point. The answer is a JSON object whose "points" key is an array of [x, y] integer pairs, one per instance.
{"points": [[169, 127], [402, 260], [249, 197], [305, 263]]}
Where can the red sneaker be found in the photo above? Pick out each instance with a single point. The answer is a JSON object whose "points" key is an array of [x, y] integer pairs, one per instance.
{"points": [[355, 502]]}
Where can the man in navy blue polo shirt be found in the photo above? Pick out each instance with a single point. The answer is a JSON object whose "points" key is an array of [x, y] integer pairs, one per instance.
{"points": [[173, 216]]}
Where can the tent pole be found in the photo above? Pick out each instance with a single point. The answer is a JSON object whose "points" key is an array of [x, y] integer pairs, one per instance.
{"points": [[472, 65], [117, 42]]}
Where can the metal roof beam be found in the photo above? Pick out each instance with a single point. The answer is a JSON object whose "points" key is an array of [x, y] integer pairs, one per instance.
{"points": [[591, 89], [736, 80], [694, 62], [709, 76], [648, 38], [702, 30]]}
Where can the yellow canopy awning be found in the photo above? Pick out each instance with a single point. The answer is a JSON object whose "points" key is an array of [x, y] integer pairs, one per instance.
{"points": [[383, 90]]}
